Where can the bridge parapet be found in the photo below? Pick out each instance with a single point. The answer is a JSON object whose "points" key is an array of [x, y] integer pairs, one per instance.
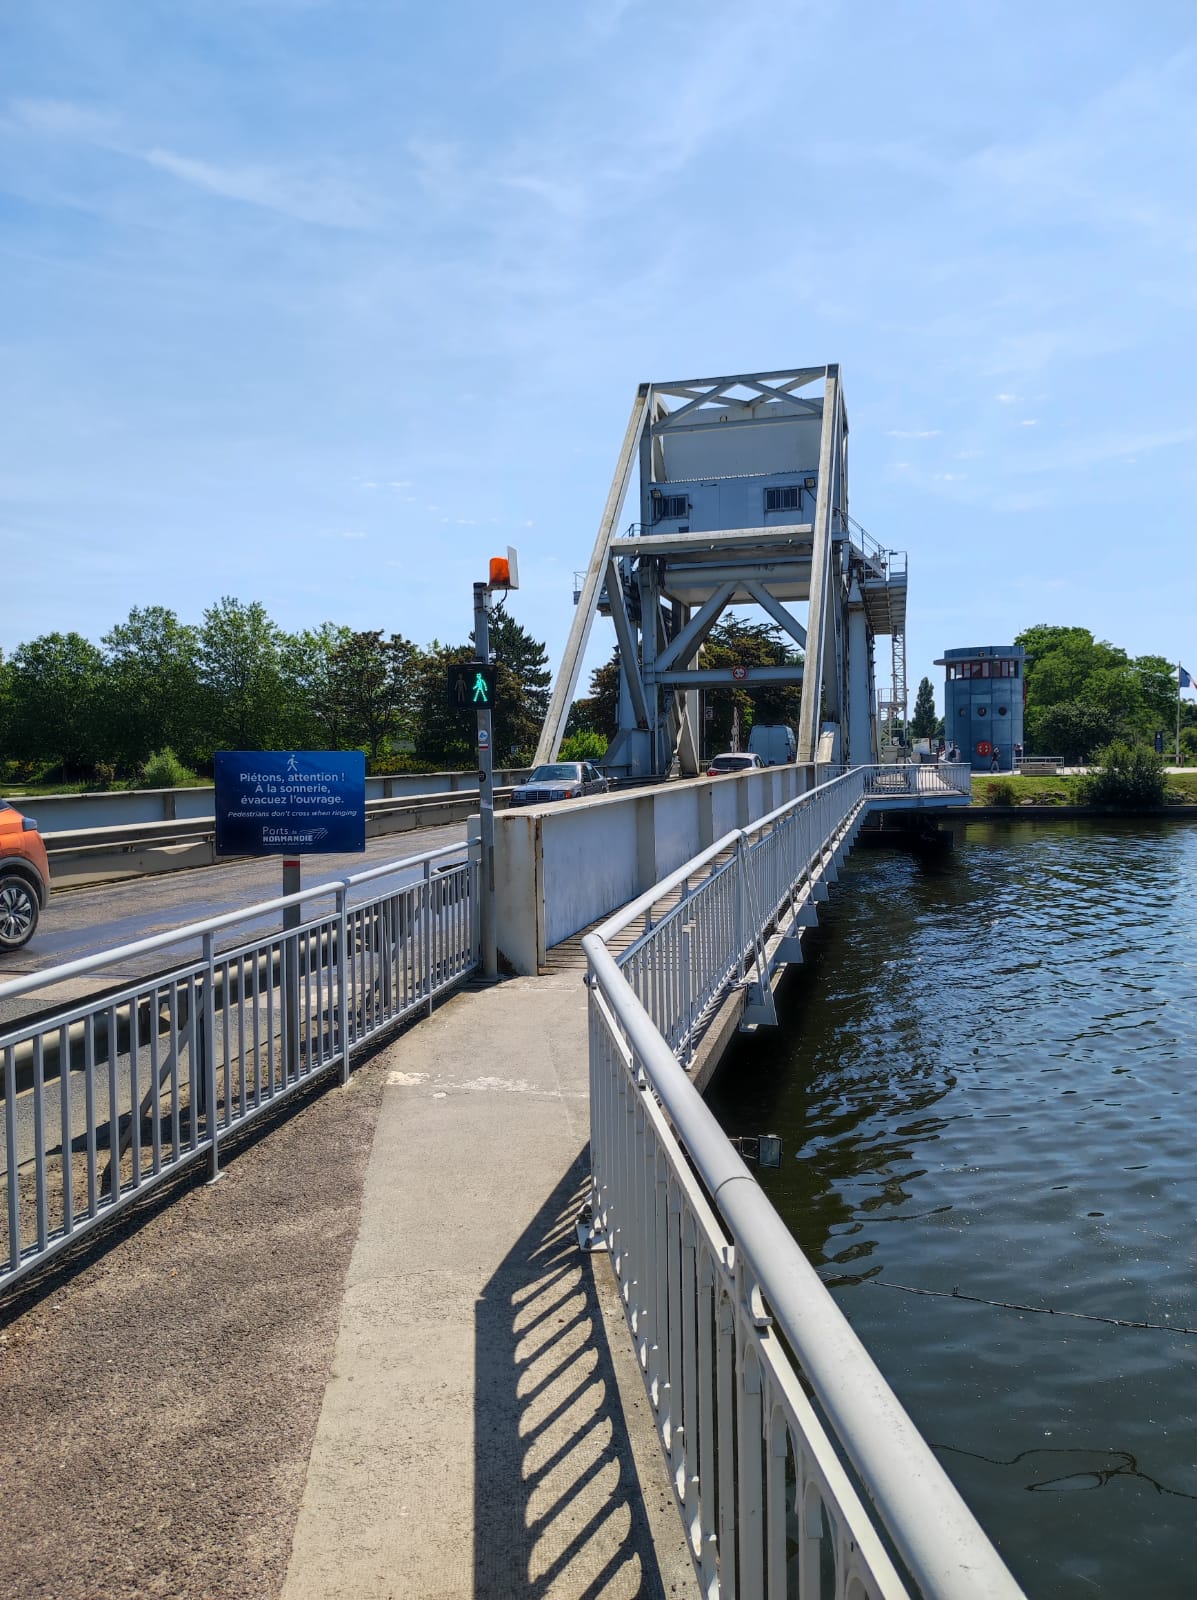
{"points": [[561, 867]]}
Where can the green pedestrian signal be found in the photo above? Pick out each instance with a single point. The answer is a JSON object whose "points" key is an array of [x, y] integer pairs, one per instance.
{"points": [[471, 686]]}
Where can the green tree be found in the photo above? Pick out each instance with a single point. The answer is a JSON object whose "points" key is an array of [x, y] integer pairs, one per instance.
{"points": [[598, 713], [151, 688], [240, 672], [56, 700], [1129, 777], [373, 683], [445, 736], [312, 716], [735, 642], [585, 745], [1067, 667], [1072, 730], [924, 722], [522, 689]]}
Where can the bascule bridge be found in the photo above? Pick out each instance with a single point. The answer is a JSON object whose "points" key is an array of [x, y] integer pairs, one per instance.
{"points": [[743, 485]]}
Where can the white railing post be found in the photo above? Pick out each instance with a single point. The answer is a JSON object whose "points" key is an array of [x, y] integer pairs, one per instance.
{"points": [[209, 1052], [343, 979], [426, 921]]}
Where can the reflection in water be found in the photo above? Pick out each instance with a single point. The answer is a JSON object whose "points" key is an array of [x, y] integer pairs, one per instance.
{"points": [[983, 1080]]}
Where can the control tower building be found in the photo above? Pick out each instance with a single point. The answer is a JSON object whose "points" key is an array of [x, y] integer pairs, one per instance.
{"points": [[983, 703]]}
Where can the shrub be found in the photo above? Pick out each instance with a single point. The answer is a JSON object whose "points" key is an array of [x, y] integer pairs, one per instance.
{"points": [[586, 745], [164, 770], [1129, 777], [102, 775], [1001, 793]]}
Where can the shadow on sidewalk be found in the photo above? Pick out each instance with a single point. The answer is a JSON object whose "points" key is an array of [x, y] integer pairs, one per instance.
{"points": [[548, 1420]]}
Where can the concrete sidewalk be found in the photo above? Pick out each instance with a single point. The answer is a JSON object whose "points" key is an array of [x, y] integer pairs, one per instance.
{"points": [[484, 1432]]}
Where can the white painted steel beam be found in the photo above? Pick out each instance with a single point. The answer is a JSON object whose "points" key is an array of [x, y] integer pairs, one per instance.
{"points": [[566, 680]]}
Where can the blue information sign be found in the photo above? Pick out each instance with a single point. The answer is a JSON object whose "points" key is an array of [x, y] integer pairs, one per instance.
{"points": [[290, 802]]}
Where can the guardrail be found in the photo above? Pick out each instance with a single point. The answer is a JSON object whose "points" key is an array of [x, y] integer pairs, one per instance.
{"points": [[80, 856], [155, 1076], [779, 1432]]}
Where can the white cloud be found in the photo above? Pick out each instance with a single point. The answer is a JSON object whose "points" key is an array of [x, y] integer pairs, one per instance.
{"points": [[912, 433], [1030, 422], [325, 201], [1006, 399], [62, 119], [352, 533]]}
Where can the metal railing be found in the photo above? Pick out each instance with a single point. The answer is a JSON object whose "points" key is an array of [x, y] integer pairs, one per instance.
{"points": [[105, 1099], [776, 1425]]}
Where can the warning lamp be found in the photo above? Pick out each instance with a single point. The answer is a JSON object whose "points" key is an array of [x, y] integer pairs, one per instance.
{"points": [[504, 571]]}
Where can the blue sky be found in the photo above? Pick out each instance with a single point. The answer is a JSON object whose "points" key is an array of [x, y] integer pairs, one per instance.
{"points": [[324, 304]]}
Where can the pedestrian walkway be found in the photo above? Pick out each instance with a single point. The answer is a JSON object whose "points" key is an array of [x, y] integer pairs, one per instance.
{"points": [[485, 1432]]}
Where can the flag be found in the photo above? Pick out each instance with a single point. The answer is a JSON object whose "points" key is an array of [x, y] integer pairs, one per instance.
{"points": [[1186, 680]]}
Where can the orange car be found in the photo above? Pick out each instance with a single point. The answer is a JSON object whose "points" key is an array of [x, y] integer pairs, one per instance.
{"points": [[24, 877]]}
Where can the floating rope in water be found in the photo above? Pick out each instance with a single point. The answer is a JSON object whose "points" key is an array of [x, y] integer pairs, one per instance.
{"points": [[1039, 1311]]}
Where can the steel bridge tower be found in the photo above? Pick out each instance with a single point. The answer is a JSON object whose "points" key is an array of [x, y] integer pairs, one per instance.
{"points": [[743, 502]]}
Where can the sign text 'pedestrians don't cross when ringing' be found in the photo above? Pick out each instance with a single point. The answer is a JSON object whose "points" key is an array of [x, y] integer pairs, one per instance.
{"points": [[290, 802], [470, 686]]}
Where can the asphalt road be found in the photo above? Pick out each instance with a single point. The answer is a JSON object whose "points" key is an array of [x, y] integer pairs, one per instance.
{"points": [[84, 922]]}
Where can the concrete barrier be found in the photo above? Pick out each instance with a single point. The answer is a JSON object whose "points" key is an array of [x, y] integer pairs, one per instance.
{"points": [[560, 867], [114, 808], [80, 856]]}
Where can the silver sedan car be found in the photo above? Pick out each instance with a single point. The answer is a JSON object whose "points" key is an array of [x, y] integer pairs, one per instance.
{"points": [[559, 780]]}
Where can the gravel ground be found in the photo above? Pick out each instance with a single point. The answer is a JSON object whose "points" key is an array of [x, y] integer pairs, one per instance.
{"points": [[159, 1396]]}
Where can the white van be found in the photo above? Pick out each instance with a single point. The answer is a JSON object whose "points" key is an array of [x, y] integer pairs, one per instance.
{"points": [[774, 743]]}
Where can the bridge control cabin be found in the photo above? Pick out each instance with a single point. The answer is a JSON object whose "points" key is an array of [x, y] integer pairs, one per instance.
{"points": [[984, 693], [743, 492]]}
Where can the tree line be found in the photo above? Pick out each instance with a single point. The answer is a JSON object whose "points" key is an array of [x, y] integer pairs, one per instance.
{"points": [[237, 681], [78, 711]]}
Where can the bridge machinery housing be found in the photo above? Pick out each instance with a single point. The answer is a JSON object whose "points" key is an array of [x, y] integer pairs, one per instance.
{"points": [[743, 502]]}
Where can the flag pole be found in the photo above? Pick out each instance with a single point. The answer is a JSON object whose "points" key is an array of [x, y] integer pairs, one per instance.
{"points": [[1179, 670]]}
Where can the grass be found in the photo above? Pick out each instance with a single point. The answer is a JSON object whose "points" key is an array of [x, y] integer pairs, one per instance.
{"points": [[1040, 791]]}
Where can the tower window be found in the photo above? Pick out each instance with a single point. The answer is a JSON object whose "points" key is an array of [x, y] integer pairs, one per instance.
{"points": [[785, 499], [672, 505]]}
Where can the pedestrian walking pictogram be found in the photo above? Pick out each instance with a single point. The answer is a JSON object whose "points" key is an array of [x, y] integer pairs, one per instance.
{"points": [[471, 686]]}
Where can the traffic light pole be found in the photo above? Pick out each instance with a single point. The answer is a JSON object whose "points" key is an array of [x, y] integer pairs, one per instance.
{"points": [[486, 797]]}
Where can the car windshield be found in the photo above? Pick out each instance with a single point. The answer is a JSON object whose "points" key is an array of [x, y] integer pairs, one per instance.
{"points": [[730, 763], [556, 772]]}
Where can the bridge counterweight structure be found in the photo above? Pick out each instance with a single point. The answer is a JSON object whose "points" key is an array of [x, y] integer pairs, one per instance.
{"points": [[743, 502]]}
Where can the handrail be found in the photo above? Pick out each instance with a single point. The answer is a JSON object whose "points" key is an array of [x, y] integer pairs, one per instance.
{"points": [[126, 1087], [196, 930], [946, 1549], [663, 1251]]}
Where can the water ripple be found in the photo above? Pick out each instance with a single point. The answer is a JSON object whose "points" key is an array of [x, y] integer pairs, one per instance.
{"points": [[985, 1078]]}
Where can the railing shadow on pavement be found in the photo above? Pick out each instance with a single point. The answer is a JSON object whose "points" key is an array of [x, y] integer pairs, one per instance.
{"points": [[559, 1513]]}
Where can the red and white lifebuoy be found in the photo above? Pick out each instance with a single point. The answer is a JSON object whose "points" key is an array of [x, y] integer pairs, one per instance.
{"points": [[984, 748]]}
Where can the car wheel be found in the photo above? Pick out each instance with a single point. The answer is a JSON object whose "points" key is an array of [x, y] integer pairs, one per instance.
{"points": [[18, 911]]}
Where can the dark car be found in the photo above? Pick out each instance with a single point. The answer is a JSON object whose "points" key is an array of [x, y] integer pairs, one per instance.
{"points": [[734, 761], [24, 877], [559, 780]]}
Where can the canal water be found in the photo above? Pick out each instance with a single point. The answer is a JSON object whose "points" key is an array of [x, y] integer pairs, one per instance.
{"points": [[986, 1083]]}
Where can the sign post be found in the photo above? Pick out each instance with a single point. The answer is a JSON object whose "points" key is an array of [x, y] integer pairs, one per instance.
{"points": [[486, 788], [284, 802]]}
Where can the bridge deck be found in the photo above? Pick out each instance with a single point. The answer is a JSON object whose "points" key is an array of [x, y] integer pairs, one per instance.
{"points": [[472, 1440]]}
